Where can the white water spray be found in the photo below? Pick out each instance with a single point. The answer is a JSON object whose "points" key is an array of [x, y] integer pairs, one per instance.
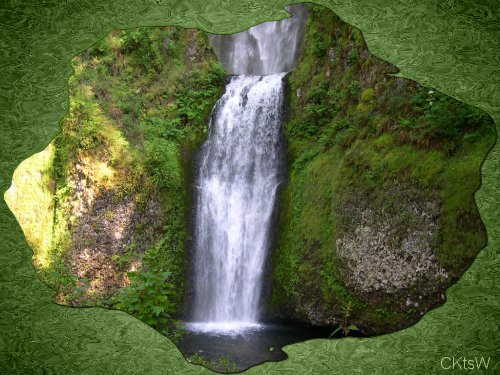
{"points": [[239, 175]]}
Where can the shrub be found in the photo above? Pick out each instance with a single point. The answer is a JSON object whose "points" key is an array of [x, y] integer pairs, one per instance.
{"points": [[336, 133], [154, 127], [148, 299], [145, 48], [354, 88], [162, 163], [319, 45]]}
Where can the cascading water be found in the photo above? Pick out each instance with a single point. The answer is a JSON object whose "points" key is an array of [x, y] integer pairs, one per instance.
{"points": [[239, 175], [268, 48], [237, 189]]}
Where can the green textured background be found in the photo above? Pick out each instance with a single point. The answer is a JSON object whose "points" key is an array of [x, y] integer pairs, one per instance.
{"points": [[451, 45]]}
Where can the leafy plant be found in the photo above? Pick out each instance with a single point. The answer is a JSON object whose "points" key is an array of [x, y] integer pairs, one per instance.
{"points": [[354, 88], [353, 57], [129, 255], [148, 299], [145, 48], [163, 163], [338, 132], [196, 99], [319, 45], [345, 326], [155, 127]]}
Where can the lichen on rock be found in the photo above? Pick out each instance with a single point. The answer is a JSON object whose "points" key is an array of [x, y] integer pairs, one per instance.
{"points": [[379, 254]]}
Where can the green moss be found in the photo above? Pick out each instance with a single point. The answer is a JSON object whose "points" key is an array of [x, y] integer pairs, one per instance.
{"points": [[363, 107], [368, 94], [138, 112], [460, 237], [346, 146]]}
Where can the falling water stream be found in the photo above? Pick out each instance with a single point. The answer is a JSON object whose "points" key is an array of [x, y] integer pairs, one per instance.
{"points": [[237, 185], [239, 174], [239, 178]]}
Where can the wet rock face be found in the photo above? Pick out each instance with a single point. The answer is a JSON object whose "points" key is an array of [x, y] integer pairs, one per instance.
{"points": [[109, 231], [112, 227], [391, 252], [315, 316]]}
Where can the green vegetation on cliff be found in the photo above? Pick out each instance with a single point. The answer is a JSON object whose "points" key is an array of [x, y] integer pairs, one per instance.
{"points": [[378, 216], [119, 172], [377, 219]]}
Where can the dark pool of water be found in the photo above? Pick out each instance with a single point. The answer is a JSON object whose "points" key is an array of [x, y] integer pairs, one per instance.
{"points": [[236, 351]]}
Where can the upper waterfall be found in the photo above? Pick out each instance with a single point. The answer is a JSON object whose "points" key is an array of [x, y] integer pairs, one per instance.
{"points": [[268, 48], [239, 175]]}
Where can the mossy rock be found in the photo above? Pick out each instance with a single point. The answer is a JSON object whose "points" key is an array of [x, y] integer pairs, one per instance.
{"points": [[370, 144], [363, 107], [368, 95]]}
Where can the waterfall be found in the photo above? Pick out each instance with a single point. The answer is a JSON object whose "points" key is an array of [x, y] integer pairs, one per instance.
{"points": [[239, 175], [268, 48]]}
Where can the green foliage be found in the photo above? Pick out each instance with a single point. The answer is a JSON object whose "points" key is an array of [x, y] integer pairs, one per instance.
{"points": [[345, 326], [443, 119], [353, 57], [196, 98], [319, 45], [148, 299], [157, 128], [303, 257], [162, 162], [323, 104], [138, 111], [318, 40], [168, 251], [145, 48], [129, 255], [462, 230], [344, 141], [354, 88], [338, 132]]}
